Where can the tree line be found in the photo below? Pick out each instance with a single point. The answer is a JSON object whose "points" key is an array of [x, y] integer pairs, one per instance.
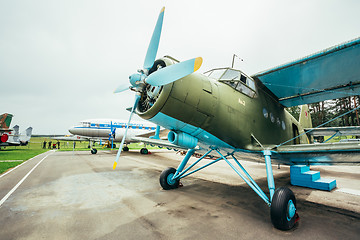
{"points": [[323, 112]]}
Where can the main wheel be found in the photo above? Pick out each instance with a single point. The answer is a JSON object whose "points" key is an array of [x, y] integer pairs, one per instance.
{"points": [[283, 209], [93, 151], [166, 180], [144, 151], [125, 149]]}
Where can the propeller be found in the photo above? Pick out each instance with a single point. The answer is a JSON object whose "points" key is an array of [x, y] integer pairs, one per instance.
{"points": [[137, 98], [162, 76], [154, 42], [112, 134]]}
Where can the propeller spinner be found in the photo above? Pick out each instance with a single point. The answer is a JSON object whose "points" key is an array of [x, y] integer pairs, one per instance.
{"points": [[162, 76]]}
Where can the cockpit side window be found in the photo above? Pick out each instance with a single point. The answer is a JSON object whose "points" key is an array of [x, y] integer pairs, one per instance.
{"points": [[239, 81], [85, 124], [243, 79], [231, 75]]}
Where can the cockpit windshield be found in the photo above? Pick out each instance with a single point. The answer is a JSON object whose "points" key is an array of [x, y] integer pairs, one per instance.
{"points": [[235, 79], [85, 124], [216, 74]]}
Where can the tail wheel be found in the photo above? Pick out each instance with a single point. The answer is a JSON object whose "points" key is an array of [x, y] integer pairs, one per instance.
{"points": [[166, 179], [283, 209], [93, 151]]}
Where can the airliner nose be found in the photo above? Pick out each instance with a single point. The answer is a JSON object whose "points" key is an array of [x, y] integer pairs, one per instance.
{"points": [[74, 130]]}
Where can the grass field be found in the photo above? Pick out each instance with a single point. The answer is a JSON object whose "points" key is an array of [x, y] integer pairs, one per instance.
{"points": [[35, 147]]}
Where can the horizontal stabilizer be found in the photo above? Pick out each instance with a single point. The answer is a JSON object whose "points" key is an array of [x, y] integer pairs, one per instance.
{"points": [[330, 131]]}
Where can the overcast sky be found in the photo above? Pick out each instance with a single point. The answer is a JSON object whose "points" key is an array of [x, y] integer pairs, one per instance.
{"points": [[60, 60]]}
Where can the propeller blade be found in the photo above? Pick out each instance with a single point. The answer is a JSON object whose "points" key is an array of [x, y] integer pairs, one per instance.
{"points": [[111, 135], [154, 43], [137, 98], [174, 72], [122, 87]]}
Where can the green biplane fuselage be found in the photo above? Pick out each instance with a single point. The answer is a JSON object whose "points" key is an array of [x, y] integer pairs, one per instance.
{"points": [[224, 103]]}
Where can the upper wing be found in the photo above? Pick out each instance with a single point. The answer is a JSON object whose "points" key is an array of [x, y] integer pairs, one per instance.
{"points": [[329, 74], [330, 131]]}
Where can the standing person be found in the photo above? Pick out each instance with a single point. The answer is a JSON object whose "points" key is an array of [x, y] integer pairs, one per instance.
{"points": [[58, 144], [49, 146], [44, 144]]}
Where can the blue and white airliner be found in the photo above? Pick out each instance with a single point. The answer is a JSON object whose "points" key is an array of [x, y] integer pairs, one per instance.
{"points": [[113, 130]]}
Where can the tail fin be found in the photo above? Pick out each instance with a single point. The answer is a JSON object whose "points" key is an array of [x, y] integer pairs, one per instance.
{"points": [[305, 118], [29, 132], [5, 120], [16, 133], [24, 140]]}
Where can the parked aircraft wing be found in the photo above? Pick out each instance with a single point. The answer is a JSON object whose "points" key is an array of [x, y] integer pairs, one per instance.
{"points": [[329, 74], [75, 138], [157, 142], [163, 134], [330, 131]]}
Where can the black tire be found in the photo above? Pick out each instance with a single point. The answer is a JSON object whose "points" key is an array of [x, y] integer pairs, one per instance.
{"points": [[165, 181], [125, 149], [144, 151], [93, 151], [283, 209]]}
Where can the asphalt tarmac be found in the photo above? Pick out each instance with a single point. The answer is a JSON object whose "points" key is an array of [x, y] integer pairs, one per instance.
{"points": [[76, 195]]}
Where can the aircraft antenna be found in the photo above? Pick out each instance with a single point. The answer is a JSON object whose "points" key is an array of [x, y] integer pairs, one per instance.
{"points": [[233, 60]]}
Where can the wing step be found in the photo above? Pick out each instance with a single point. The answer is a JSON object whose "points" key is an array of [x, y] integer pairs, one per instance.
{"points": [[301, 175]]}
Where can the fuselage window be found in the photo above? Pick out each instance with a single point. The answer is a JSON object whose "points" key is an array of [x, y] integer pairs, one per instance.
{"points": [[278, 122], [265, 112], [283, 125], [272, 117]]}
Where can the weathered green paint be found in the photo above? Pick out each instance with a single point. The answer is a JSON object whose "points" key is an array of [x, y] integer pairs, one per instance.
{"points": [[225, 112], [5, 120]]}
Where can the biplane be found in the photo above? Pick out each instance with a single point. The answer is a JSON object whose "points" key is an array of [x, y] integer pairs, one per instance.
{"points": [[229, 114]]}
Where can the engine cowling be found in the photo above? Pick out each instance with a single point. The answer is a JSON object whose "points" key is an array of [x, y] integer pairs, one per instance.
{"points": [[182, 139]]}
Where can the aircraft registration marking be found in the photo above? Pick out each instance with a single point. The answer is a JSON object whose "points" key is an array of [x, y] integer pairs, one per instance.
{"points": [[242, 102]]}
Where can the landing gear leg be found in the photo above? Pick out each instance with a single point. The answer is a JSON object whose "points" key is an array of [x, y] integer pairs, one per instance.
{"points": [[283, 202], [93, 150], [169, 177]]}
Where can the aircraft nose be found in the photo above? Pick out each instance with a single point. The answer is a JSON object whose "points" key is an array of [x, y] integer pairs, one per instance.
{"points": [[74, 130]]}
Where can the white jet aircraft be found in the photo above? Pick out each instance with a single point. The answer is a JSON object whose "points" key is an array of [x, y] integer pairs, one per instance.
{"points": [[113, 130]]}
